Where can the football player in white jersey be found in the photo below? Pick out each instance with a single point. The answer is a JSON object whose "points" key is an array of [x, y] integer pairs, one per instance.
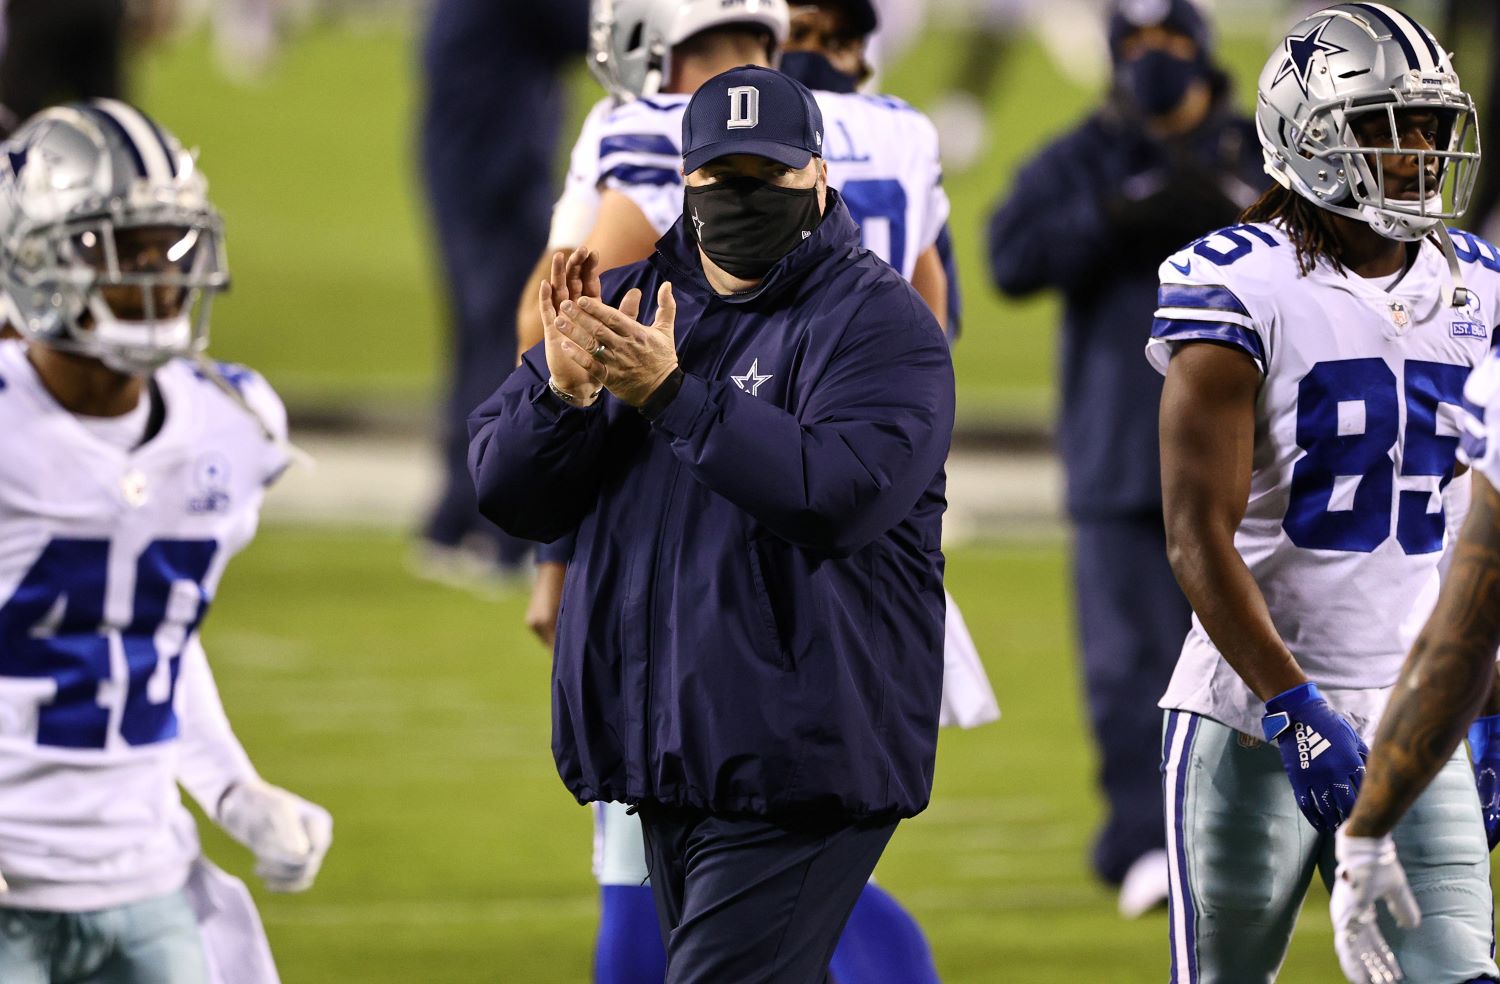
{"points": [[624, 190], [131, 470], [1315, 359], [1442, 686]]}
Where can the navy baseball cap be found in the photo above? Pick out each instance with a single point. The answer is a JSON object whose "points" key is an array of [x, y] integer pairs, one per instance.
{"points": [[751, 110]]}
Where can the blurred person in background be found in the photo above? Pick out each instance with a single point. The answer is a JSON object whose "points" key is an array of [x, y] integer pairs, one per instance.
{"points": [[133, 469], [62, 50], [1463, 20], [624, 190], [1165, 160], [491, 118], [994, 27]]}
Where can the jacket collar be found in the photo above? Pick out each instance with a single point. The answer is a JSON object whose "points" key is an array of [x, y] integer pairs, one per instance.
{"points": [[677, 256]]}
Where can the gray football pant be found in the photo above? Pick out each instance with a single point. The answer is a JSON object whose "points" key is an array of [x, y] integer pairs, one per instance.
{"points": [[1242, 856]]}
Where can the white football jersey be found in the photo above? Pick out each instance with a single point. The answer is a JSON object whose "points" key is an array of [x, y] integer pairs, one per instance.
{"points": [[882, 158], [1480, 445], [1357, 425], [109, 559]]}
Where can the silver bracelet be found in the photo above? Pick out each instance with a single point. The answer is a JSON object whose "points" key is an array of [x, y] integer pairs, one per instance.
{"points": [[565, 396]]}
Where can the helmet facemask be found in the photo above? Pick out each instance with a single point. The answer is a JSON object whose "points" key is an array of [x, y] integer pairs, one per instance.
{"points": [[131, 290], [1354, 183]]}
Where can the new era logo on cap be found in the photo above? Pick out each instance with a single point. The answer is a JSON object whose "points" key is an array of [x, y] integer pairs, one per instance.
{"points": [[751, 110]]}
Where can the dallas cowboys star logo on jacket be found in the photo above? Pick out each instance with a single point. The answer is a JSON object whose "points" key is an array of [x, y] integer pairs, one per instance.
{"points": [[751, 380]]}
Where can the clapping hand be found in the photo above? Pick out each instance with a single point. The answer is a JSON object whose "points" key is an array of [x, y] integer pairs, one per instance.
{"points": [[574, 277], [613, 349]]}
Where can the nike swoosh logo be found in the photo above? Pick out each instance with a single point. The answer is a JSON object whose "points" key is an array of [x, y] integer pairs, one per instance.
{"points": [[1181, 267]]}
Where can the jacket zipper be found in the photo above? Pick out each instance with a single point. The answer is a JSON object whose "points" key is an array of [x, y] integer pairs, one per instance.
{"points": [[655, 573]]}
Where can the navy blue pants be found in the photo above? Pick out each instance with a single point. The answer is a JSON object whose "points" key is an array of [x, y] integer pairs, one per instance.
{"points": [[748, 900], [1132, 618], [489, 138]]}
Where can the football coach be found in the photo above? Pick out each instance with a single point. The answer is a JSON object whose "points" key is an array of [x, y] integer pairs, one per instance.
{"points": [[747, 431]]}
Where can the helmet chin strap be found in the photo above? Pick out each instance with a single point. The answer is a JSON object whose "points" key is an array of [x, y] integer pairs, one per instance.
{"points": [[1412, 229], [1456, 294], [1394, 227], [211, 372], [655, 77]]}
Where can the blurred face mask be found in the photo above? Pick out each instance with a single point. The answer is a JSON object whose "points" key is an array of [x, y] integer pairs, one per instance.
{"points": [[815, 71], [745, 224], [1158, 81]]}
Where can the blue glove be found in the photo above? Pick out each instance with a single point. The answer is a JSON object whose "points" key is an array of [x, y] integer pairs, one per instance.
{"points": [[1484, 746], [1321, 752]]}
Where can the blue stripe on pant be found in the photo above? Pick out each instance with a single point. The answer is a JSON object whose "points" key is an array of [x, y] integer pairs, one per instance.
{"points": [[1176, 747]]}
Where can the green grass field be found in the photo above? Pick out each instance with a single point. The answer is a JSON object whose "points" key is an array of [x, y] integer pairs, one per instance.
{"points": [[335, 295], [418, 714]]}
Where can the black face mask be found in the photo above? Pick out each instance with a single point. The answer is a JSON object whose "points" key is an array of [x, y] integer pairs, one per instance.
{"points": [[816, 72], [745, 225], [1158, 81]]}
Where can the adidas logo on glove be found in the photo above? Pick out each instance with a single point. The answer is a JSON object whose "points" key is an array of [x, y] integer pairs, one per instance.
{"points": [[1310, 745]]}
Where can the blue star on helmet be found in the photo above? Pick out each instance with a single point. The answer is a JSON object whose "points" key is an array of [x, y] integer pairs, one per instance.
{"points": [[17, 159], [1300, 52]]}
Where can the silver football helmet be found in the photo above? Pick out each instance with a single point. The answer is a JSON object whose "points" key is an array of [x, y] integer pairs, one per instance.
{"points": [[109, 246], [630, 41], [1335, 70]]}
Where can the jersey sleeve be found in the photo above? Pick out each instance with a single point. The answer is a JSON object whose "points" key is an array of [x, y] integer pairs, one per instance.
{"points": [[1199, 301], [639, 156], [269, 453], [210, 757], [264, 402], [1479, 438], [1479, 265], [576, 208], [930, 173]]}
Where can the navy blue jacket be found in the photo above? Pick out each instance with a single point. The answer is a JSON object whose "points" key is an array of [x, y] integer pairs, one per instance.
{"points": [[753, 618], [1055, 230]]}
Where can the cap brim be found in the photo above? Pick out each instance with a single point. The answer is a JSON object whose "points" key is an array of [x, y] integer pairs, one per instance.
{"points": [[781, 153]]}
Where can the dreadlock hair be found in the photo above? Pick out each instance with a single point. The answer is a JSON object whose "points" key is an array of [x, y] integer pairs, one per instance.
{"points": [[1310, 228]]}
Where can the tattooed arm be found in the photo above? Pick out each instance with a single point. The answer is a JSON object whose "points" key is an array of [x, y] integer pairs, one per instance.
{"points": [[1446, 680]]}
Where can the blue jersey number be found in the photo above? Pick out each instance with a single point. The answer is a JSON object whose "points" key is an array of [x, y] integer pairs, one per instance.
{"points": [[1348, 419], [1235, 242], [1471, 248], [52, 627], [873, 201]]}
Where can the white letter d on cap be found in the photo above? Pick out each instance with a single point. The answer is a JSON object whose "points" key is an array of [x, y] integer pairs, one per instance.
{"points": [[744, 107]]}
